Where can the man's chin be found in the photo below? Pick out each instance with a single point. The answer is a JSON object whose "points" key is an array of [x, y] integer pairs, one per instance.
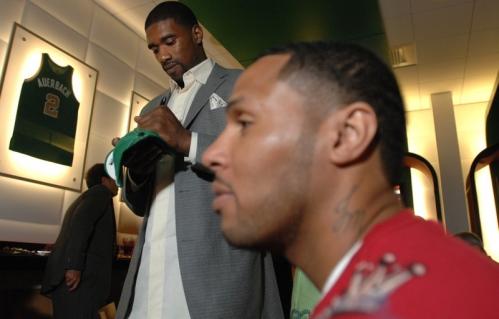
{"points": [[174, 77], [175, 73], [241, 244], [238, 241]]}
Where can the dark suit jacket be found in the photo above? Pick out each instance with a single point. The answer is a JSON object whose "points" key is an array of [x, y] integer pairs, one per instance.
{"points": [[86, 242], [219, 281]]}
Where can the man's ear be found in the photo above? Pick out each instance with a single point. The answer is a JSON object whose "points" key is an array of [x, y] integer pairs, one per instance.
{"points": [[197, 34], [104, 180], [353, 131]]}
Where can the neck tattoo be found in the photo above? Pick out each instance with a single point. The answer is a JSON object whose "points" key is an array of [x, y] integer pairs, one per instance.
{"points": [[346, 215]]}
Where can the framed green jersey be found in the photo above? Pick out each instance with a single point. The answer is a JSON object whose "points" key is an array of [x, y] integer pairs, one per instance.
{"points": [[47, 114], [46, 103]]}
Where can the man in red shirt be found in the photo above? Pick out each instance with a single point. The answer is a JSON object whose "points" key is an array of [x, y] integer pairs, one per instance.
{"points": [[306, 166]]}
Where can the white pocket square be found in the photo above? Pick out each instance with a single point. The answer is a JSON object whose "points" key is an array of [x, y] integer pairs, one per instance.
{"points": [[216, 102]]}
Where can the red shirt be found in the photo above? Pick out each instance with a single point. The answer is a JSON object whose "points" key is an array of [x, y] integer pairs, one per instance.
{"points": [[409, 268]]}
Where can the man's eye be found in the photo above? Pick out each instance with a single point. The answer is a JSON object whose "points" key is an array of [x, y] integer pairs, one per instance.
{"points": [[244, 123]]}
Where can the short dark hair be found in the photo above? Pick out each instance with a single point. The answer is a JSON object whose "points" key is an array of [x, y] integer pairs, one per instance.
{"points": [[331, 74], [177, 11], [94, 175]]}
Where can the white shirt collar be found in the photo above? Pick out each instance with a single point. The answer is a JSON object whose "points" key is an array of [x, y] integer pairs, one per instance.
{"points": [[199, 73], [340, 267]]}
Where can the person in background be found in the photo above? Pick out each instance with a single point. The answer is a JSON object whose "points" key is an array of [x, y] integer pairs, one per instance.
{"points": [[181, 266], [471, 239], [78, 272], [306, 166]]}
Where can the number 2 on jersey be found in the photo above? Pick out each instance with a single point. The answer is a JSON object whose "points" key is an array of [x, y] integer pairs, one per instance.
{"points": [[51, 106]]}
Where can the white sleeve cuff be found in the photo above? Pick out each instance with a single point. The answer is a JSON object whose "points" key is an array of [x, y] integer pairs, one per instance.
{"points": [[193, 149]]}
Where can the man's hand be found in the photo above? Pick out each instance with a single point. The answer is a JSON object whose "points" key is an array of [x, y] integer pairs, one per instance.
{"points": [[141, 159], [162, 121], [72, 278]]}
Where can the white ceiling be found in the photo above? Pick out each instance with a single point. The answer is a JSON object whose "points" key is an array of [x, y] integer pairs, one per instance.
{"points": [[131, 12], [457, 44]]}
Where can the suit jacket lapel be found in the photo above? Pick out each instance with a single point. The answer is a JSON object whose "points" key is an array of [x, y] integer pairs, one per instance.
{"points": [[216, 78], [155, 102]]}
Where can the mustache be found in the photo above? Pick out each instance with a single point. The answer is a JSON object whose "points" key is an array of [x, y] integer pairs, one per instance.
{"points": [[168, 64], [211, 175], [221, 181]]}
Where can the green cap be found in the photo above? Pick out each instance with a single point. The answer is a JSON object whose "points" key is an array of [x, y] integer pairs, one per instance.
{"points": [[113, 163]]}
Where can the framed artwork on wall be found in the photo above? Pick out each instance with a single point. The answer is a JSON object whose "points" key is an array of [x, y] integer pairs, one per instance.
{"points": [[46, 104], [128, 222], [138, 102]]}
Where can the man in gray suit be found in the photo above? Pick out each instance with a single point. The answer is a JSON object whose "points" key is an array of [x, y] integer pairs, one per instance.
{"points": [[78, 271], [182, 266]]}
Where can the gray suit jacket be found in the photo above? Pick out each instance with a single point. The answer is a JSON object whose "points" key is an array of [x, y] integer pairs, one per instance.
{"points": [[219, 280]]}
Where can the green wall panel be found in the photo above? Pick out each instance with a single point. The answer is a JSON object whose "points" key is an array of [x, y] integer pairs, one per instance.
{"points": [[246, 28]]}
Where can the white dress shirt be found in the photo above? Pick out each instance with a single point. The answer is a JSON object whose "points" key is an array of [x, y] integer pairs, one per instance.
{"points": [[159, 293]]}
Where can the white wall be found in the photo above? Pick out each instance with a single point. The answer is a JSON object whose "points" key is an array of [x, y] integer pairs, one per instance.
{"points": [[470, 129]]}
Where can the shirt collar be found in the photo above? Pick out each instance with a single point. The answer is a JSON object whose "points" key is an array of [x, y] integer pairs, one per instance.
{"points": [[340, 267], [199, 73]]}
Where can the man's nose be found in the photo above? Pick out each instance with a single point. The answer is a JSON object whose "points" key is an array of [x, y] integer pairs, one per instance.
{"points": [[164, 54], [207, 159], [213, 157]]}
